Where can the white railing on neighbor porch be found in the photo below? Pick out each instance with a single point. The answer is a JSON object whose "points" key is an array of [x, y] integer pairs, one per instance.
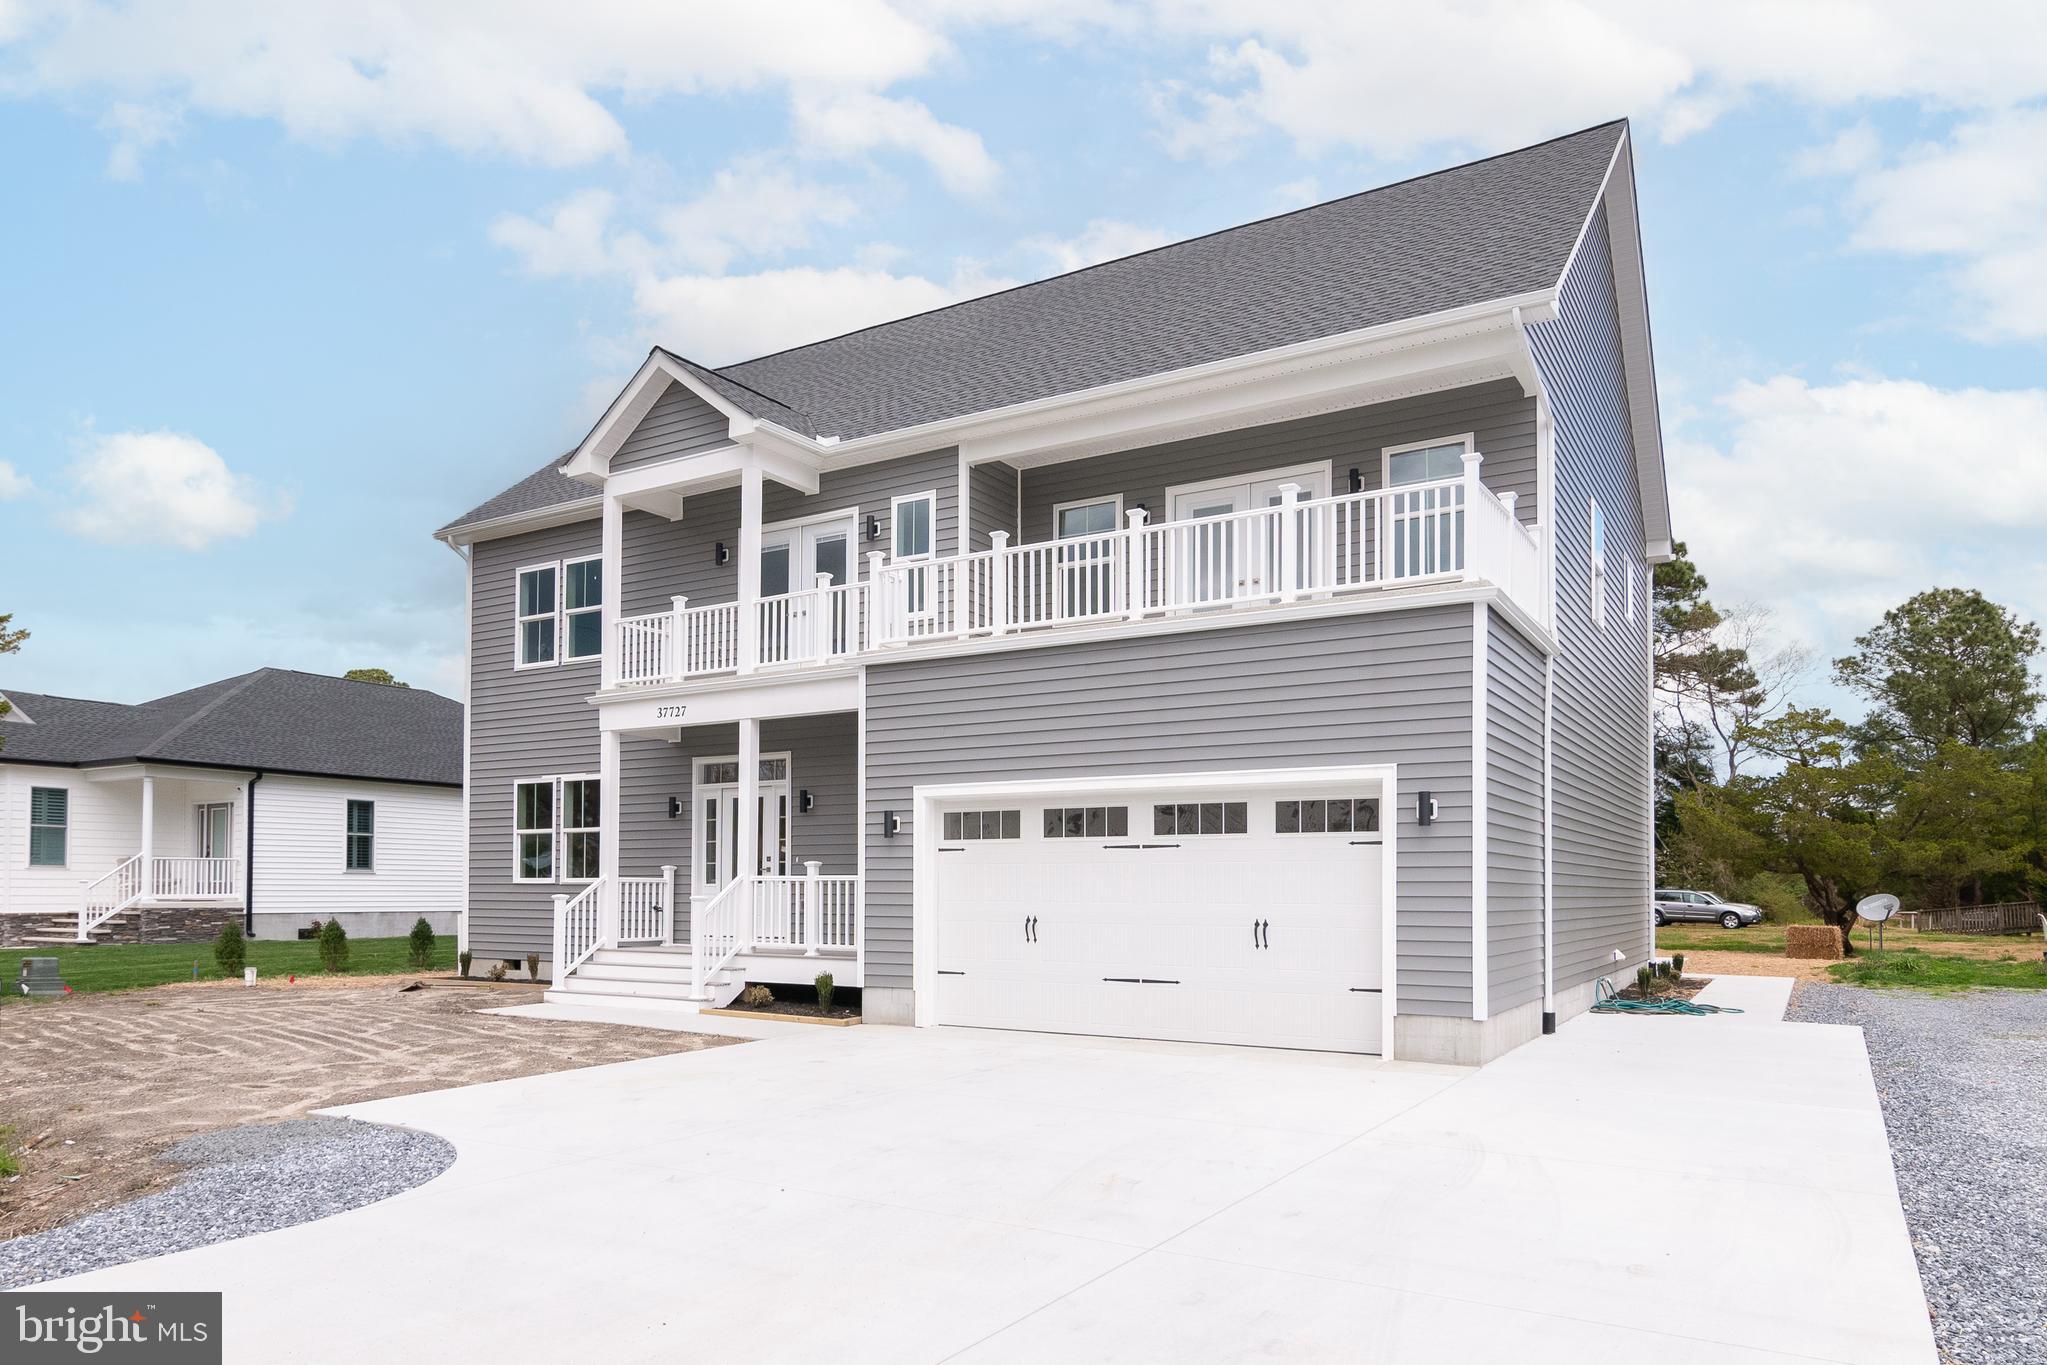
{"points": [[193, 878], [1298, 549], [109, 894]]}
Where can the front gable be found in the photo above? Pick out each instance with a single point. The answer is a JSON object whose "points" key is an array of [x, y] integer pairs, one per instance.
{"points": [[679, 423]]}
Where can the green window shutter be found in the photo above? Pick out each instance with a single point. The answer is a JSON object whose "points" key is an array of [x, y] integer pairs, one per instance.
{"points": [[361, 841]]}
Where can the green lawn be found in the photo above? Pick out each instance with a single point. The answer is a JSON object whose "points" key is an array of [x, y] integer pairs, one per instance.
{"points": [[1912, 969], [1769, 938], [125, 966]]}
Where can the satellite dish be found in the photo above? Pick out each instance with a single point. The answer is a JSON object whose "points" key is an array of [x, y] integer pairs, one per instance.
{"points": [[1877, 908]]}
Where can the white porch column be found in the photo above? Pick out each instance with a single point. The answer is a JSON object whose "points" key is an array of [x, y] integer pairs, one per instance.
{"points": [[607, 835], [612, 586], [746, 860], [148, 835], [1137, 566], [749, 569], [1468, 514]]}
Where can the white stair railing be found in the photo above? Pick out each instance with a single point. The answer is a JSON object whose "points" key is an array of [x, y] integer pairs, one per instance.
{"points": [[644, 905], [578, 928], [109, 894], [718, 933]]}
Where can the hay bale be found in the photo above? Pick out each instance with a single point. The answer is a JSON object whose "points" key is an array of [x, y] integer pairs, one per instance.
{"points": [[1822, 941]]}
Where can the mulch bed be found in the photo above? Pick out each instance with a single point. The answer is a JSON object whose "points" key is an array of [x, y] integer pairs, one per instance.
{"points": [[807, 1008], [1684, 988]]}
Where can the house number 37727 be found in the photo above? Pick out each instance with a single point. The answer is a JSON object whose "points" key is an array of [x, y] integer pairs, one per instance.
{"points": [[669, 712]]}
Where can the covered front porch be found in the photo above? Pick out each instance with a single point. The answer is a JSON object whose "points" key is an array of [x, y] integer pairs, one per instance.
{"points": [[188, 839], [736, 859]]}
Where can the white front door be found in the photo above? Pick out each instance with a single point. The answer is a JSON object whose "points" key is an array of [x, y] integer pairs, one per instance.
{"points": [[718, 856], [1234, 918], [791, 561], [1235, 557]]}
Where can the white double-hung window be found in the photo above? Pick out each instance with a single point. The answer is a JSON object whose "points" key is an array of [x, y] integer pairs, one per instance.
{"points": [[557, 831], [560, 608]]}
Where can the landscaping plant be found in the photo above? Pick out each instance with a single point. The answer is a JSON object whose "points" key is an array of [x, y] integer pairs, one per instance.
{"points": [[334, 946], [824, 992], [496, 972], [533, 966], [231, 950], [756, 997], [1645, 980], [421, 941], [1677, 965], [462, 961]]}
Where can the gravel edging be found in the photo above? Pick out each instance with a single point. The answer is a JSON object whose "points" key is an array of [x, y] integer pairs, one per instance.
{"points": [[255, 1178], [1960, 1079]]}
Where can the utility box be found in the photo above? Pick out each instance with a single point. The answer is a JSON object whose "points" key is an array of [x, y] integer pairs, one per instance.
{"points": [[39, 977]]}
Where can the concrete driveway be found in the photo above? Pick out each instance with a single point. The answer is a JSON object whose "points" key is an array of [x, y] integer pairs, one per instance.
{"points": [[1673, 1189]]}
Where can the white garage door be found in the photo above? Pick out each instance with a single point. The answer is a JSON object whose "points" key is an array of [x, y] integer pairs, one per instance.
{"points": [[1212, 917]]}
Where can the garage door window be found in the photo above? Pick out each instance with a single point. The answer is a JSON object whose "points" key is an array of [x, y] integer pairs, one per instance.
{"points": [[1340, 815], [1200, 817], [984, 824], [1087, 822]]}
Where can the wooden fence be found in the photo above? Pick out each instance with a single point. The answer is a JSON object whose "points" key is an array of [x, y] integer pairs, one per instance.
{"points": [[2015, 917]]}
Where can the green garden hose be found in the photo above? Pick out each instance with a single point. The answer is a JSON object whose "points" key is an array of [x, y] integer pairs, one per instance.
{"points": [[1607, 1002]]}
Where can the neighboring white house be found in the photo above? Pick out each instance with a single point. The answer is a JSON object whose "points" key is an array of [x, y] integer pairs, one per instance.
{"points": [[276, 796]]}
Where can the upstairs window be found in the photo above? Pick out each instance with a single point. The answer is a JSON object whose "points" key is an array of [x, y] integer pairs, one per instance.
{"points": [[49, 826], [560, 612], [1427, 461], [911, 519], [1597, 544], [360, 854]]}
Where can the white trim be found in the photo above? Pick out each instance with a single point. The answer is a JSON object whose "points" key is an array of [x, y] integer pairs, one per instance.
{"points": [[769, 528], [787, 782], [517, 523], [520, 618], [925, 830], [1595, 556], [860, 837], [562, 629], [1481, 904], [555, 830], [1058, 507], [347, 834], [468, 720], [1326, 468], [1469, 440], [928, 495]]}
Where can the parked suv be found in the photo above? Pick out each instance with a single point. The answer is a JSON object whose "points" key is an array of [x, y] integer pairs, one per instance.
{"points": [[1704, 905]]}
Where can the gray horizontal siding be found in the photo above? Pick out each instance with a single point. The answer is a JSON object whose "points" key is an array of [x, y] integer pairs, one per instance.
{"points": [[1599, 706], [522, 724], [665, 558], [679, 423], [1502, 420], [1386, 688], [1513, 817], [992, 491]]}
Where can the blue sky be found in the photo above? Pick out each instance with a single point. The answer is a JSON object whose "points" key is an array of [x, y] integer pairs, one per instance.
{"points": [[284, 292]]}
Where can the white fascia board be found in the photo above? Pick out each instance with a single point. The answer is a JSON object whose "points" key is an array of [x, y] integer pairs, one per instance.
{"points": [[592, 459], [707, 469], [515, 523]]}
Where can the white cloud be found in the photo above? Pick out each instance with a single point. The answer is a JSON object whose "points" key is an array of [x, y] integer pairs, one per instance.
{"points": [[753, 207], [1834, 502], [13, 483], [1372, 74], [718, 319], [856, 122], [135, 129], [574, 240], [1977, 200], [1103, 239], [530, 81], [163, 488]]}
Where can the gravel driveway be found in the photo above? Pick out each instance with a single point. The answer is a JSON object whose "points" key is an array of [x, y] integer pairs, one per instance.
{"points": [[1963, 1080]]}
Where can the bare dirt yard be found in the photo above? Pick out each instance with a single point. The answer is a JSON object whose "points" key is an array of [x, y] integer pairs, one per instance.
{"points": [[95, 1087]]}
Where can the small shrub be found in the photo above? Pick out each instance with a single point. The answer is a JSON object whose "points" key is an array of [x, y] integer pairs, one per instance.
{"points": [[756, 997], [496, 972], [8, 1165], [420, 943], [824, 991], [334, 946], [462, 960], [231, 950], [1645, 980], [1677, 964], [532, 966]]}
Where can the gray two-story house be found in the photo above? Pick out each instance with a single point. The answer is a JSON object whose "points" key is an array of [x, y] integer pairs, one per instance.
{"points": [[1246, 641]]}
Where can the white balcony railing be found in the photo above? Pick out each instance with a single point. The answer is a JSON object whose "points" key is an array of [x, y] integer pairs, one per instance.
{"points": [[194, 878], [1297, 549]]}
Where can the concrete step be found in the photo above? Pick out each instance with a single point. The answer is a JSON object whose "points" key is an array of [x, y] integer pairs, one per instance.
{"points": [[579, 984], [632, 971], [557, 996], [643, 957]]}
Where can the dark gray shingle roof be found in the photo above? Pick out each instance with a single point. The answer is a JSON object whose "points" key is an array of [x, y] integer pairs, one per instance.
{"points": [[273, 719], [1478, 232]]}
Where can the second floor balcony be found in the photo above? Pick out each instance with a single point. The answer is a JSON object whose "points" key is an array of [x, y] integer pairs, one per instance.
{"points": [[1409, 538]]}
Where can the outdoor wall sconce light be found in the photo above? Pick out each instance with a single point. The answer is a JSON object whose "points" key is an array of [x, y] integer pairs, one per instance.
{"points": [[674, 807], [874, 528], [721, 555], [803, 801], [890, 823], [1140, 507], [1357, 480], [1425, 808]]}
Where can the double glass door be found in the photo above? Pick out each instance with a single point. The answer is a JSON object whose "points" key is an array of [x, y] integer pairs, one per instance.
{"points": [[1232, 557], [791, 562]]}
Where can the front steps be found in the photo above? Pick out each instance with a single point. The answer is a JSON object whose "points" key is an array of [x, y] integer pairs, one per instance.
{"points": [[657, 977]]}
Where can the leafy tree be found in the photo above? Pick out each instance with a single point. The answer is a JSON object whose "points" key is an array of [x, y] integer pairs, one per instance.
{"points": [[10, 643], [1948, 664], [1713, 683], [373, 675]]}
